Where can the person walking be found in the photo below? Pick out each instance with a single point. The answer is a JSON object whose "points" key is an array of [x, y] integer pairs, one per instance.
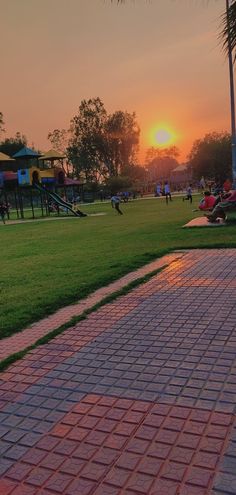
{"points": [[3, 211], [167, 191], [115, 203]]}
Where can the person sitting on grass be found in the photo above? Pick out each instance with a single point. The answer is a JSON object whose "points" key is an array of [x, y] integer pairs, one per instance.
{"points": [[208, 202], [115, 203], [228, 203]]}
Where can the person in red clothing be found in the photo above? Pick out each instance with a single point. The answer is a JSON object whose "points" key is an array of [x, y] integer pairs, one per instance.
{"points": [[227, 186], [208, 202], [228, 203]]}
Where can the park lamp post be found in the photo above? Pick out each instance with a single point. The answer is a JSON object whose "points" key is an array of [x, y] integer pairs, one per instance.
{"points": [[232, 99]]}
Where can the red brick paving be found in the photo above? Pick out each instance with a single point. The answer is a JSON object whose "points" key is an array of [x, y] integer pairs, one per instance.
{"points": [[123, 456], [139, 398], [31, 334]]}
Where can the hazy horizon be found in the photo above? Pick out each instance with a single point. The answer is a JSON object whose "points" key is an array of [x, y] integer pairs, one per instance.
{"points": [[159, 58]]}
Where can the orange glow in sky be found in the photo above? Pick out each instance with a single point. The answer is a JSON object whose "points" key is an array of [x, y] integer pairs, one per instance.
{"points": [[162, 136], [161, 59]]}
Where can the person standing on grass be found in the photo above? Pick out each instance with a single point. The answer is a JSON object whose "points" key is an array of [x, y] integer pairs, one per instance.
{"points": [[202, 183], [167, 191], [3, 211], [115, 203], [158, 189]]}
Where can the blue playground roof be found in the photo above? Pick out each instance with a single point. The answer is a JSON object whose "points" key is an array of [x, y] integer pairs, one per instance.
{"points": [[26, 153]]}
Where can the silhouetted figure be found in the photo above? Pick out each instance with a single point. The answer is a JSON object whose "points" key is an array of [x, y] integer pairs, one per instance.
{"points": [[115, 203], [189, 196], [3, 211], [167, 192]]}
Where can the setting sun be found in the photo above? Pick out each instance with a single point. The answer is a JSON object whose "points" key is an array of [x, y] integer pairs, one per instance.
{"points": [[162, 136]]}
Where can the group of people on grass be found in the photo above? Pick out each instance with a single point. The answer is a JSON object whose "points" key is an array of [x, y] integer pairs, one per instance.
{"points": [[223, 203], [217, 204], [164, 191]]}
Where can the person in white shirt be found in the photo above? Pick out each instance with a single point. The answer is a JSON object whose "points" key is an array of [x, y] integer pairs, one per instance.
{"points": [[115, 203], [167, 192]]}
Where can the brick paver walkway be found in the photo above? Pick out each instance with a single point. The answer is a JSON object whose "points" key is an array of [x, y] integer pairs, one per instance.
{"points": [[28, 336], [137, 399]]}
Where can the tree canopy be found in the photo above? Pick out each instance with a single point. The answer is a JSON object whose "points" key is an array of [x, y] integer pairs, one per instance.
{"points": [[11, 145], [161, 161], [228, 31], [211, 156], [102, 145]]}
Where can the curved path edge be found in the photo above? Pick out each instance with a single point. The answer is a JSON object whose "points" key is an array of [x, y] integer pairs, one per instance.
{"points": [[29, 336]]}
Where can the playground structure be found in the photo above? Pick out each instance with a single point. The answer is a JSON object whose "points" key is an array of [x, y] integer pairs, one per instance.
{"points": [[37, 183]]}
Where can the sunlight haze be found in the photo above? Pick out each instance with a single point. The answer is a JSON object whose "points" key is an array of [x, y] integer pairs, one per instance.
{"points": [[160, 58]]}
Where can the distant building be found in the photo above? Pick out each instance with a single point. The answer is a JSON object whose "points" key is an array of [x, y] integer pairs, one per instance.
{"points": [[181, 175]]}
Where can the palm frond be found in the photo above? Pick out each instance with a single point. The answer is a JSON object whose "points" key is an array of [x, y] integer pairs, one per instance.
{"points": [[228, 32]]}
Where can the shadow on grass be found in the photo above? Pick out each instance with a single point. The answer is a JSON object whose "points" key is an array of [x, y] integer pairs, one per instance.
{"points": [[76, 319], [231, 221]]}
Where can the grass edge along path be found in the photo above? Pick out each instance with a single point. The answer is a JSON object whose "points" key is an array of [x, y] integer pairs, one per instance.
{"points": [[46, 268], [76, 319], [89, 291], [152, 257]]}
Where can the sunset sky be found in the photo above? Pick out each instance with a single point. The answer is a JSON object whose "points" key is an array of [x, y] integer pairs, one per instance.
{"points": [[159, 58]]}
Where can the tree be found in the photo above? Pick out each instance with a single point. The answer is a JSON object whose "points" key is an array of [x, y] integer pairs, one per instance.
{"points": [[211, 156], [101, 145], [118, 184], [157, 152], [10, 146], [135, 172], [87, 136], [121, 142], [229, 45], [161, 161], [228, 31], [2, 123], [59, 139]]}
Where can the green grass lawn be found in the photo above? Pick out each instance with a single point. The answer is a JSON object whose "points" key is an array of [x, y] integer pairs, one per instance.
{"points": [[46, 265]]}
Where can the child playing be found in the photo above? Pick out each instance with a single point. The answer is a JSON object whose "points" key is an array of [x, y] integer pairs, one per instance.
{"points": [[189, 196]]}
